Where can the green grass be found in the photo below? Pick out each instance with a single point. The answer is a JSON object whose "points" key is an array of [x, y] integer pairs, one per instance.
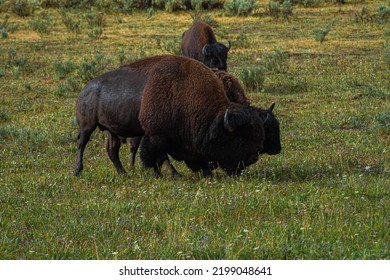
{"points": [[326, 196]]}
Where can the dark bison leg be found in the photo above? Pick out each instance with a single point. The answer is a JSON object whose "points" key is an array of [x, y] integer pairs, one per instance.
{"points": [[82, 140], [153, 153], [113, 146], [204, 167], [134, 144]]}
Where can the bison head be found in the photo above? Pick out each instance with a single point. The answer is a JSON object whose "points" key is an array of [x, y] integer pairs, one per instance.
{"points": [[215, 55], [235, 136], [271, 144]]}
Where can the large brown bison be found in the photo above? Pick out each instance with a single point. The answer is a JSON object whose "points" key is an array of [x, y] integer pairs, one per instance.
{"points": [[199, 43], [185, 113]]}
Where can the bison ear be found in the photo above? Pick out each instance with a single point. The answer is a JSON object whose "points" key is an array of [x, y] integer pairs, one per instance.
{"points": [[204, 50], [229, 45], [271, 107], [226, 123]]}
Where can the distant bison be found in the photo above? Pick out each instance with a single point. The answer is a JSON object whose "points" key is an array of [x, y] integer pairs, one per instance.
{"points": [[185, 113], [199, 42]]}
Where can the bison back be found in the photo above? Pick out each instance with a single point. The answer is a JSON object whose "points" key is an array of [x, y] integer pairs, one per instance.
{"points": [[194, 39]]}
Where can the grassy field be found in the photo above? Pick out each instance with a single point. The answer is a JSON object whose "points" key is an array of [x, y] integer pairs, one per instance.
{"points": [[326, 196]]}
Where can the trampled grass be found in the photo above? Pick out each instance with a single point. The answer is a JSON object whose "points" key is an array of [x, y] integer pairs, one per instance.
{"points": [[326, 196]]}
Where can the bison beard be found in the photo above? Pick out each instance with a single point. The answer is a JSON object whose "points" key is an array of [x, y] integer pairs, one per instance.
{"points": [[185, 113]]}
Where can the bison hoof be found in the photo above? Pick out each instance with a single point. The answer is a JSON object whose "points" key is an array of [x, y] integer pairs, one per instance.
{"points": [[77, 173]]}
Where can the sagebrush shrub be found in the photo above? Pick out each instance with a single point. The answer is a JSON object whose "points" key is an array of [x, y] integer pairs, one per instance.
{"points": [[277, 9], [4, 33], [364, 16], [320, 34], [273, 8], [253, 77], [207, 18], [39, 26], [287, 8], [41, 23], [95, 19], [23, 8], [126, 6], [14, 59], [89, 69], [62, 69], [8, 27], [309, 3], [383, 13], [240, 7], [71, 25], [274, 61], [95, 33]]}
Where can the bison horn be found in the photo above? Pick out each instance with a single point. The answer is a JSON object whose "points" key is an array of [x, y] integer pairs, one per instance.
{"points": [[271, 107], [226, 123], [204, 51], [229, 45], [266, 118]]}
